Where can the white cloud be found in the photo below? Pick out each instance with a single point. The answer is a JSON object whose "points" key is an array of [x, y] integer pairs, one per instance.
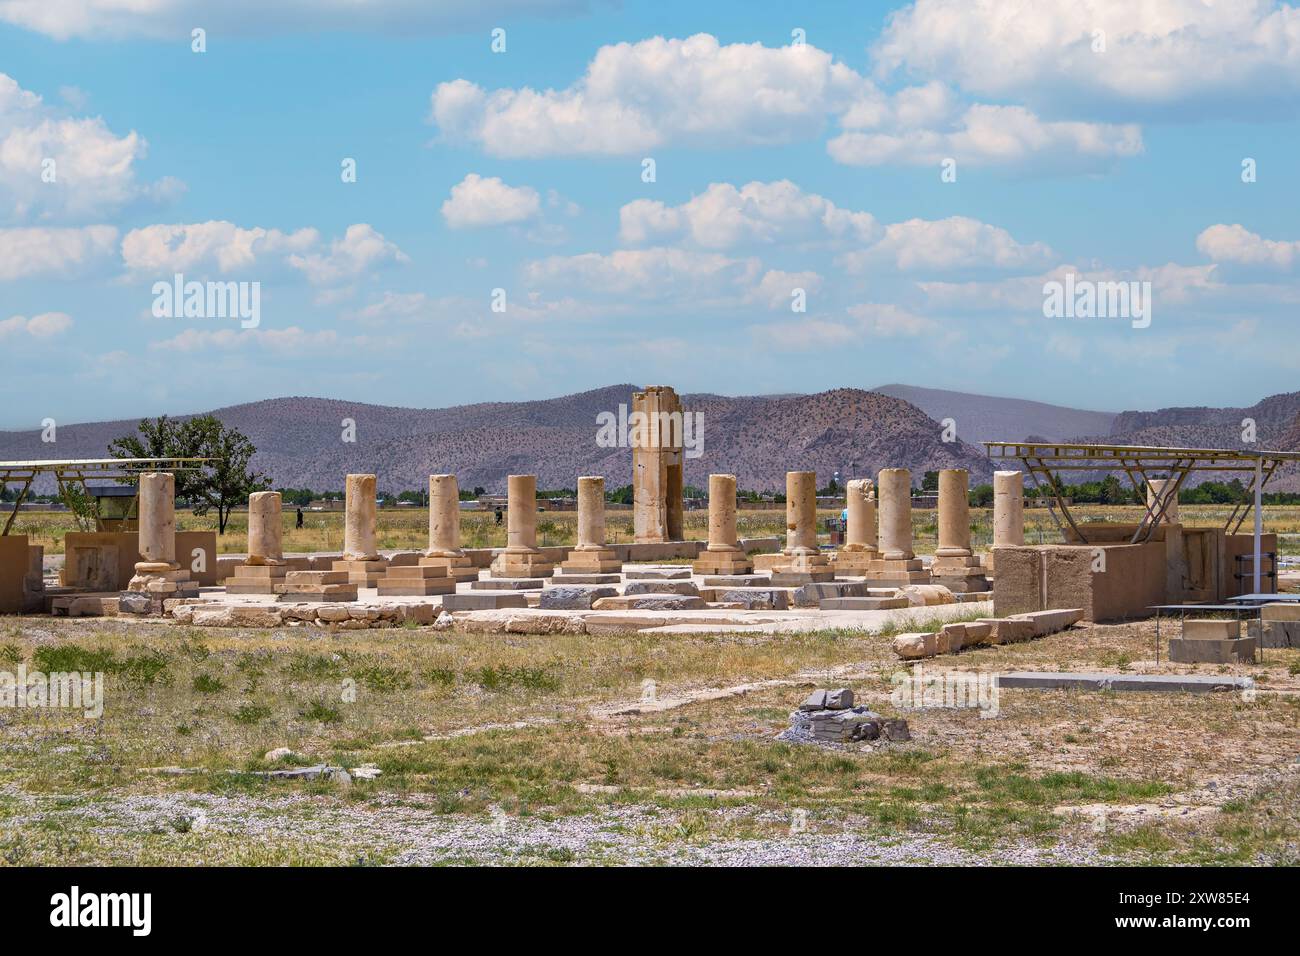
{"points": [[476, 201], [698, 92], [887, 319], [655, 274], [1157, 52], [360, 248], [957, 242], [53, 252], [167, 19], [43, 326], [292, 340], [1237, 245], [55, 168], [776, 288], [991, 135], [215, 245], [221, 246], [635, 96], [757, 213]]}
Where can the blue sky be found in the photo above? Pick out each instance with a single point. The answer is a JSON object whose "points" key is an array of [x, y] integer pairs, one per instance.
{"points": [[1095, 137]]}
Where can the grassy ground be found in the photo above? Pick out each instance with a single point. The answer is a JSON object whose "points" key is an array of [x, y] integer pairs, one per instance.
{"points": [[404, 528], [496, 749]]}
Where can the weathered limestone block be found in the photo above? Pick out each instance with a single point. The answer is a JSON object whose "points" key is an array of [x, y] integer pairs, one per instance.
{"points": [[573, 598], [661, 587]]}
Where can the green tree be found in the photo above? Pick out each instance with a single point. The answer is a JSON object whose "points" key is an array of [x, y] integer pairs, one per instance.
{"points": [[222, 484]]}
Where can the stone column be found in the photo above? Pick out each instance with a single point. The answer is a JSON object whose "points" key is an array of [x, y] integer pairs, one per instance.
{"points": [[157, 575], [359, 519], [859, 549], [860, 535], [723, 555], [157, 519], [804, 562], [1008, 509], [265, 529], [265, 568], [361, 559], [656, 428], [521, 559], [896, 564], [591, 556], [1156, 486], [896, 514], [955, 566], [954, 514], [800, 512], [444, 530]]}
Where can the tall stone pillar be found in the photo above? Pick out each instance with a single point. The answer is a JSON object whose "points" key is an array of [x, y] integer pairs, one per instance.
{"points": [[897, 564], [444, 563], [723, 554], [1008, 509], [591, 556], [265, 567], [157, 574], [265, 529], [521, 559], [803, 562], [361, 558], [444, 530], [658, 457], [859, 549], [955, 566]]}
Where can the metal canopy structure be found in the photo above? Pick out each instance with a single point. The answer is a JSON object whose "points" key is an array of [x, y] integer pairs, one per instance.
{"points": [[1043, 459], [73, 471]]}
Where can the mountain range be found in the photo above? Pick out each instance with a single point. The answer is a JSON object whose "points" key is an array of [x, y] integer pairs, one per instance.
{"points": [[301, 441]]}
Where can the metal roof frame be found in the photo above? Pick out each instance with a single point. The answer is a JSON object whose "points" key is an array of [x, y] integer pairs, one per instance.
{"points": [[71, 471], [1044, 458]]}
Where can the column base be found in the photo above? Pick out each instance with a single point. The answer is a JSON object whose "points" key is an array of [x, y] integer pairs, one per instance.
{"points": [[256, 578], [853, 563], [459, 567], [530, 564], [722, 562], [601, 561], [416, 580], [898, 572], [361, 572], [316, 586]]}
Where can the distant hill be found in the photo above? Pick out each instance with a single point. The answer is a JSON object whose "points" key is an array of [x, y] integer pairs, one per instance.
{"points": [[756, 438], [982, 418]]}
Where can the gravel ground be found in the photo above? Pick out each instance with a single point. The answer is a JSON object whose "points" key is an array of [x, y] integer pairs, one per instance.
{"points": [[617, 835]]}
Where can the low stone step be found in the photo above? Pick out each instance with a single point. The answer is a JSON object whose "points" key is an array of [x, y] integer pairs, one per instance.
{"points": [[483, 601]]}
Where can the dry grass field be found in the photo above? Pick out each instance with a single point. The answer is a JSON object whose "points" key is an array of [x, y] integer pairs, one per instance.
{"points": [[407, 528], [511, 750]]}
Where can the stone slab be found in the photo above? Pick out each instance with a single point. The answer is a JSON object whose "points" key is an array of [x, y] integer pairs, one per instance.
{"points": [[650, 602], [561, 580], [508, 584], [1169, 683], [1195, 650], [657, 574], [483, 601], [561, 598], [863, 603], [735, 580], [662, 587], [794, 579]]}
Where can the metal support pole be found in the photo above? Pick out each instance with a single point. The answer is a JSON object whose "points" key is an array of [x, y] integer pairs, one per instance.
{"points": [[1259, 522]]}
